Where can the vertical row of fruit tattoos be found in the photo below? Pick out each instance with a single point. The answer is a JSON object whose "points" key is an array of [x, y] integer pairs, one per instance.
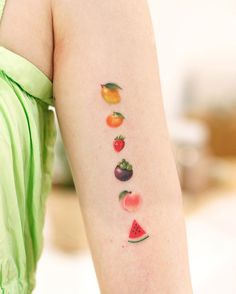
{"points": [[130, 201]]}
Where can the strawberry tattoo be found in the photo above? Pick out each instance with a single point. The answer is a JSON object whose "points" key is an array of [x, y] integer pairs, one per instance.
{"points": [[119, 143]]}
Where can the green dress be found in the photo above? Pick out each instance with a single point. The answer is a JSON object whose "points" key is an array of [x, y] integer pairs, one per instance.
{"points": [[27, 137]]}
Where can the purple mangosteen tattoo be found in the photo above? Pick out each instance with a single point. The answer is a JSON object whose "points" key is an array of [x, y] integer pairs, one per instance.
{"points": [[123, 170]]}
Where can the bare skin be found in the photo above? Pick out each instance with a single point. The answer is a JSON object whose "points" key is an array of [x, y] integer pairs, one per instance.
{"points": [[26, 29], [99, 42]]}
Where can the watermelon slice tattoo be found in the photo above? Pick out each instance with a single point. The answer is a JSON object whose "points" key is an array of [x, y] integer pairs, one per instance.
{"points": [[137, 233]]}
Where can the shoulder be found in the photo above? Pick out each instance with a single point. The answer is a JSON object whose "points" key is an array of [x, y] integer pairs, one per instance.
{"points": [[28, 8], [26, 28], [32, 20]]}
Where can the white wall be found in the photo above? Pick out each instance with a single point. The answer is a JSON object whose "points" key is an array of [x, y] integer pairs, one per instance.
{"points": [[195, 39]]}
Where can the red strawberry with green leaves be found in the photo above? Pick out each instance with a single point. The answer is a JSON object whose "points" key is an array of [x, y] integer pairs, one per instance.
{"points": [[119, 143]]}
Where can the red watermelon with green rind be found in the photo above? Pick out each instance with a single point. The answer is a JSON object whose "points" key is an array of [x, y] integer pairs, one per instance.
{"points": [[137, 233]]}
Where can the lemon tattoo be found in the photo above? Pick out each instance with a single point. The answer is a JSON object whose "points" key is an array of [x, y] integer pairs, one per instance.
{"points": [[110, 93]]}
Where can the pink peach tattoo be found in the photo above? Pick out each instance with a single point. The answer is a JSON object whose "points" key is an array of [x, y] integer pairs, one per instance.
{"points": [[130, 201]]}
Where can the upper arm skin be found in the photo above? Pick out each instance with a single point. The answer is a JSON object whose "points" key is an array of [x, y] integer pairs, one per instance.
{"points": [[112, 41]]}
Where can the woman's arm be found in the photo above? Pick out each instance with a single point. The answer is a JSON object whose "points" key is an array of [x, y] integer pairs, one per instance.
{"points": [[100, 42]]}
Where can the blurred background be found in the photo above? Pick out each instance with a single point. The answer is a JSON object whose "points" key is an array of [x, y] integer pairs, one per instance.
{"points": [[196, 44]]}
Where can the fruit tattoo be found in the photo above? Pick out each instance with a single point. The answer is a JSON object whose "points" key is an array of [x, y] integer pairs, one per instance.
{"points": [[110, 93], [123, 170], [115, 119], [137, 233], [119, 143], [130, 201]]}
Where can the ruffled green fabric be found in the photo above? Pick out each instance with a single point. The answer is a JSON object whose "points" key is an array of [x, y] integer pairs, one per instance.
{"points": [[26, 75], [27, 139]]}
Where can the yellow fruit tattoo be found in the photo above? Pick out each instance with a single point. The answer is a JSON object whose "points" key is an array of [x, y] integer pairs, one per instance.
{"points": [[110, 93]]}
